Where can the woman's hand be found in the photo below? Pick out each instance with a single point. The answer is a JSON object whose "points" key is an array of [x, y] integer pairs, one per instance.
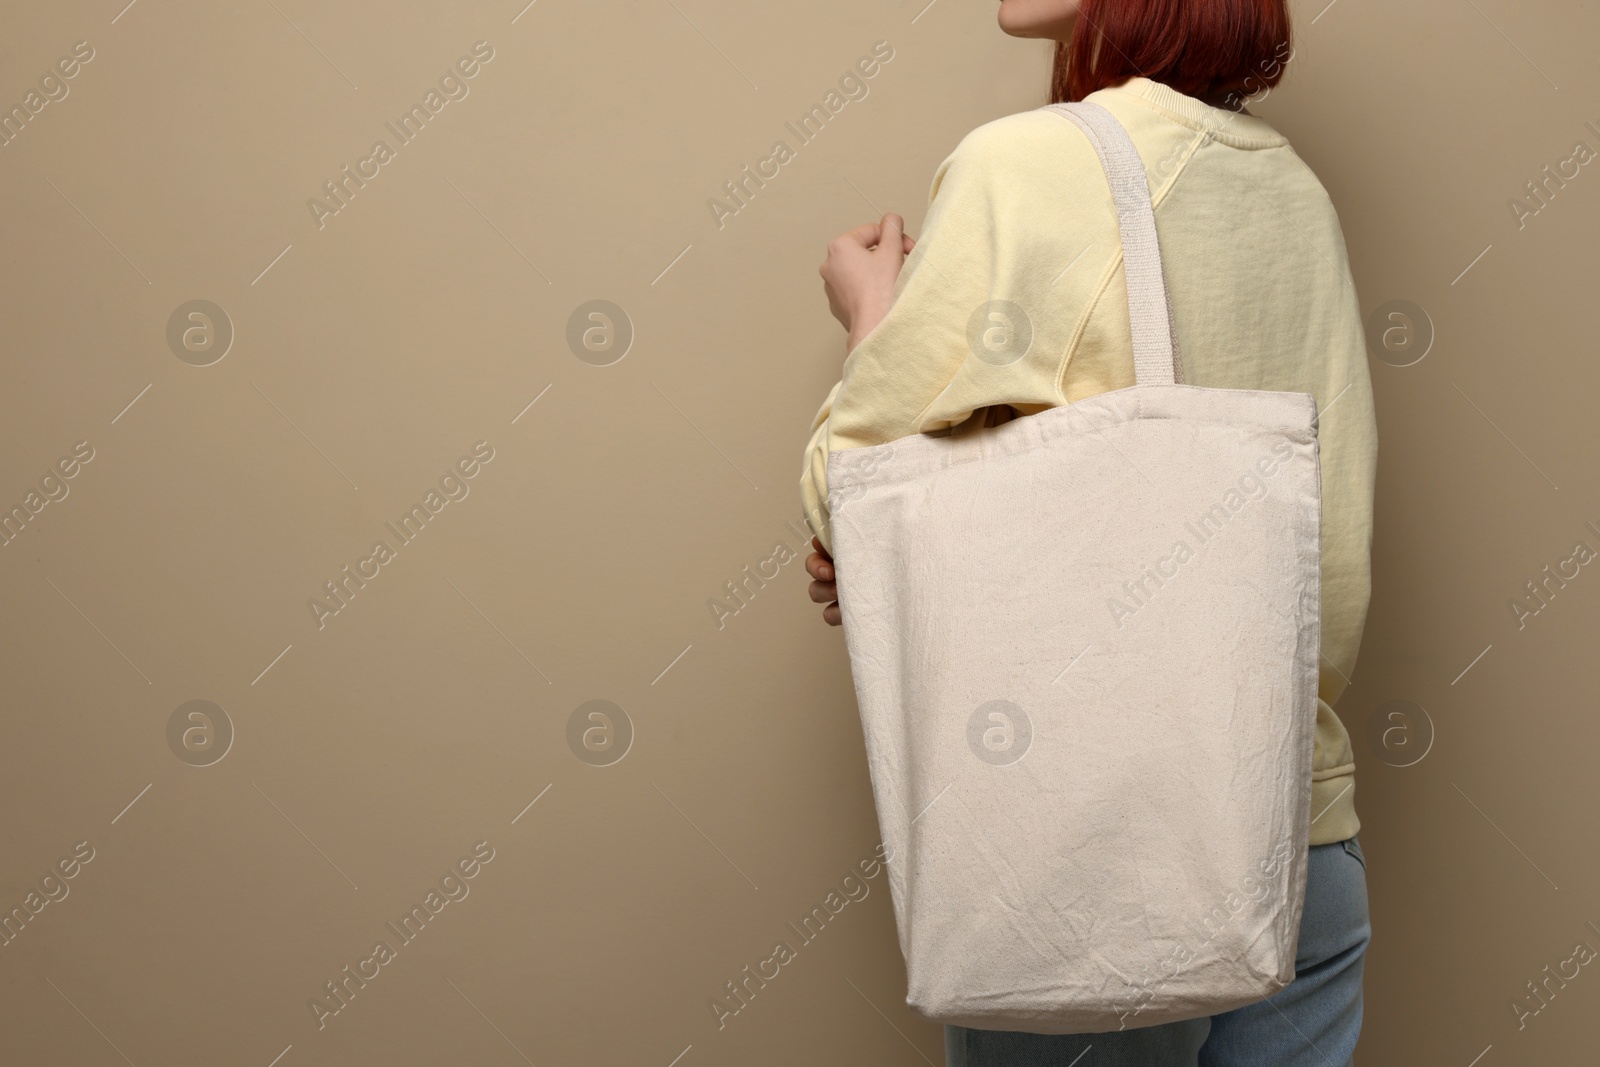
{"points": [[825, 589], [860, 271], [858, 275]]}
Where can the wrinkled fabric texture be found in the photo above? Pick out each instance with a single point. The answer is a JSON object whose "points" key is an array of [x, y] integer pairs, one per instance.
{"points": [[1085, 649], [1314, 1022]]}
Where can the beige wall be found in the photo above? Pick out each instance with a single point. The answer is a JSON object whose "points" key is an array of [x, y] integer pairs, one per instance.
{"points": [[363, 756]]}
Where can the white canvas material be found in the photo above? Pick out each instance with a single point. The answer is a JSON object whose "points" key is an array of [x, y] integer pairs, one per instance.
{"points": [[1084, 644]]}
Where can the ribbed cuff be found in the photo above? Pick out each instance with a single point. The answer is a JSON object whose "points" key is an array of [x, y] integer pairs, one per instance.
{"points": [[1333, 810]]}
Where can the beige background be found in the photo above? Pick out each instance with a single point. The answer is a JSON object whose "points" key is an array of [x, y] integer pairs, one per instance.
{"points": [[370, 354]]}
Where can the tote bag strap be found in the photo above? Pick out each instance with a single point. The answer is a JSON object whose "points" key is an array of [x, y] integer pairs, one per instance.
{"points": [[1156, 359]]}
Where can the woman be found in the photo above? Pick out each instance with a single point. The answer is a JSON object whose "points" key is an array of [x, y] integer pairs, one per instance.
{"points": [[1014, 301]]}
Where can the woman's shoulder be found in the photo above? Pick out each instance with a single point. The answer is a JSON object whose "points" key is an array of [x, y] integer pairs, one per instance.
{"points": [[1037, 141], [1022, 133]]}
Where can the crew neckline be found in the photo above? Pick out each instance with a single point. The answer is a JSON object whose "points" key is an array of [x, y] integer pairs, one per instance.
{"points": [[1229, 127]]}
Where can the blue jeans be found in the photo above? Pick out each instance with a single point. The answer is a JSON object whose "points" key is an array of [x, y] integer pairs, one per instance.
{"points": [[1311, 1022]]}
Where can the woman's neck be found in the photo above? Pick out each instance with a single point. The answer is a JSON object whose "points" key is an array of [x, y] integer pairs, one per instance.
{"points": [[1226, 101]]}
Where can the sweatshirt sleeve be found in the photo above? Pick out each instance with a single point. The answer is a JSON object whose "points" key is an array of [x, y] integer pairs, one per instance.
{"points": [[969, 327], [814, 476]]}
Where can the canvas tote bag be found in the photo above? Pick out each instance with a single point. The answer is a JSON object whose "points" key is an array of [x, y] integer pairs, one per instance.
{"points": [[1084, 644]]}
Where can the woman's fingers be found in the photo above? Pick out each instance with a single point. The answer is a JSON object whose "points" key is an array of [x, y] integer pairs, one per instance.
{"points": [[872, 234], [825, 590], [819, 567], [866, 235], [892, 231], [827, 593]]}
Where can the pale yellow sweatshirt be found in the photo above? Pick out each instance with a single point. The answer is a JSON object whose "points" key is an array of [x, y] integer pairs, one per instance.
{"points": [[1256, 265]]}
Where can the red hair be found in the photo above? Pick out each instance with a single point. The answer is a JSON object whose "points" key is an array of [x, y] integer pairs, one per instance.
{"points": [[1203, 48]]}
